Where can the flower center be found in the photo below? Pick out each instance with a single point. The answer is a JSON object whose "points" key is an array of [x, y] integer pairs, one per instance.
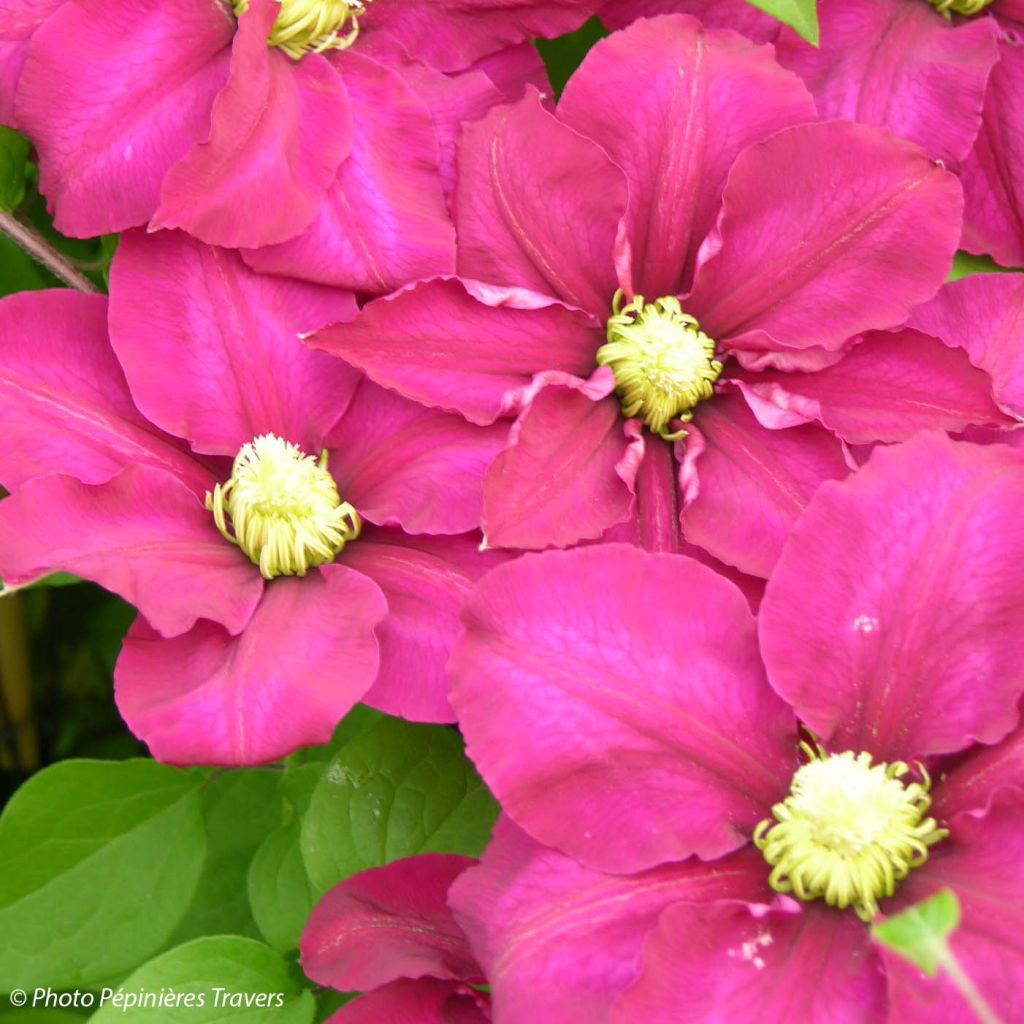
{"points": [[947, 8], [283, 507], [663, 363], [848, 831], [305, 26]]}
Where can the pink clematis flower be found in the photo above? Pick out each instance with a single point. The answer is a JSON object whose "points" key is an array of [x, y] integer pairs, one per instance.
{"points": [[114, 448], [251, 123], [657, 760], [722, 262], [388, 932]]}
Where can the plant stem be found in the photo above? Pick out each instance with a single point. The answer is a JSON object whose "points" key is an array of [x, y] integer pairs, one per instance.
{"points": [[15, 690], [42, 252], [963, 984]]}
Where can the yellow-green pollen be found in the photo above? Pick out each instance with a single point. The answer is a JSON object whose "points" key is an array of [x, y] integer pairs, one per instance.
{"points": [[312, 26], [664, 364], [848, 831], [947, 8], [282, 508]]}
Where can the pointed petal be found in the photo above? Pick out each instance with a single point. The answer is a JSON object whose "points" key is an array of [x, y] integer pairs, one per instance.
{"points": [[278, 131], [827, 230], [984, 314], [402, 464], [751, 483], [896, 65], [211, 349], [891, 624], [113, 93], [425, 581], [545, 225], [388, 923], [64, 403], [646, 731], [143, 535], [559, 941], [306, 656], [888, 387], [462, 346], [384, 220], [699, 99], [773, 964], [567, 473]]}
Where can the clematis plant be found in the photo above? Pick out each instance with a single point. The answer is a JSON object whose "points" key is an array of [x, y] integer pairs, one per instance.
{"points": [[388, 932], [717, 806], [294, 537], [699, 287], [254, 122]]}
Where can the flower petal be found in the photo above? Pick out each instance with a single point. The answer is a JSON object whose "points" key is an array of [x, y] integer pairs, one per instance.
{"points": [[211, 349], [645, 729], [21, 18], [891, 623], [278, 131], [64, 403], [969, 782], [827, 230], [306, 656], [462, 346], [559, 941], [548, 225], [739, 15], [424, 1001], [402, 464], [143, 535], [113, 93], [699, 98]]}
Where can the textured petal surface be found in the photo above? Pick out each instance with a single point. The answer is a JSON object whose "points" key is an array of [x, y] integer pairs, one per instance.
{"points": [[969, 782], [425, 581], [993, 184], [559, 941], [739, 15], [306, 656], [827, 230], [64, 403], [544, 225], [461, 346], [211, 349], [983, 863], [425, 1001], [384, 220], [888, 387], [388, 923], [984, 314], [645, 729], [567, 474], [698, 99], [891, 623], [772, 964], [20, 19], [113, 93], [143, 535], [751, 483], [279, 130], [402, 464], [894, 64]]}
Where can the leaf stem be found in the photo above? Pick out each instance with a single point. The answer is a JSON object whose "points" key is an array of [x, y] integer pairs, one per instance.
{"points": [[15, 688], [42, 252], [963, 984]]}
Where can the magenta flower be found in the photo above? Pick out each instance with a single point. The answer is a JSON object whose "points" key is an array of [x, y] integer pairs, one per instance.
{"points": [[254, 122], [655, 741], [233, 658], [388, 932], [720, 260]]}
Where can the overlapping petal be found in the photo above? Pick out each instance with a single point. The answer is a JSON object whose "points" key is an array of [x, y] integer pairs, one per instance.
{"points": [[21, 18], [423, 1001]]}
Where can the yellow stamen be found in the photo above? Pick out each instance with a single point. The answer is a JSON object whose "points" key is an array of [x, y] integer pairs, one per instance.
{"points": [[312, 26], [284, 509], [664, 364], [848, 831], [947, 8]]}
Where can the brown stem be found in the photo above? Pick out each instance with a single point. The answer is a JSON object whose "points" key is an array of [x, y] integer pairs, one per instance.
{"points": [[15, 689], [42, 252]]}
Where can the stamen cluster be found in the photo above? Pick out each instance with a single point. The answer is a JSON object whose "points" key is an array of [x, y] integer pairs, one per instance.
{"points": [[312, 26]]}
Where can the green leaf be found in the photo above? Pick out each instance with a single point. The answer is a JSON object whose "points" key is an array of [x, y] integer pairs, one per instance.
{"points": [[13, 154], [217, 972], [98, 862], [562, 56], [919, 933], [398, 790], [965, 263], [799, 15], [40, 1016], [279, 890]]}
